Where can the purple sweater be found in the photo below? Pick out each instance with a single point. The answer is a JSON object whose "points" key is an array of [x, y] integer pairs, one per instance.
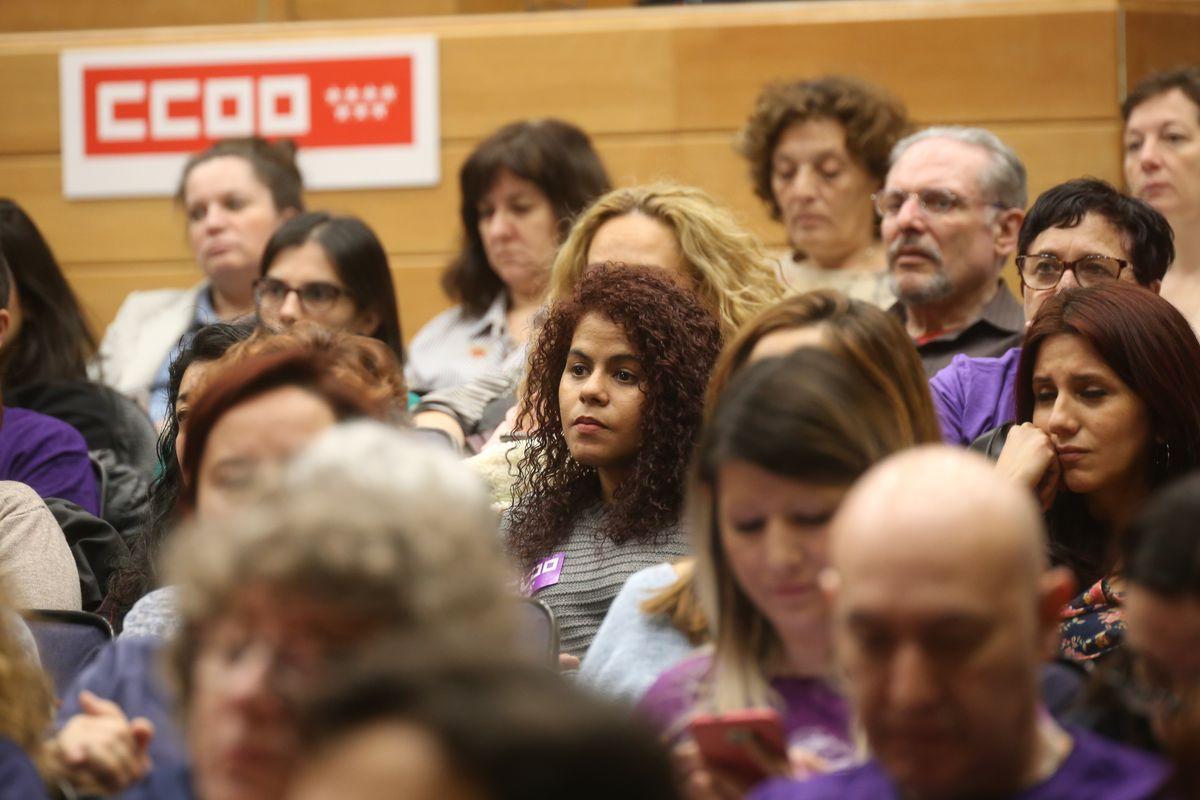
{"points": [[49, 456], [973, 395], [1096, 769], [815, 717]]}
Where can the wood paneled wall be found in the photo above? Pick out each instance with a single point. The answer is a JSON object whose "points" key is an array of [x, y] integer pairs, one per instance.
{"points": [[61, 15], [661, 90]]}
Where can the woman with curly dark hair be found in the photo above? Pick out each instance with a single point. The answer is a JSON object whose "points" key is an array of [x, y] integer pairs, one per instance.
{"points": [[616, 386], [818, 149]]}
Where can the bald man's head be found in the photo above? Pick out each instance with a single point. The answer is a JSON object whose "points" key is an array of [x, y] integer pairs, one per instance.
{"points": [[941, 505], [943, 612]]}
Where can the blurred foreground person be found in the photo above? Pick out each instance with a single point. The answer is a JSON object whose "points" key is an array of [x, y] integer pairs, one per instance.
{"points": [[943, 613], [370, 535], [1161, 680], [444, 728]]}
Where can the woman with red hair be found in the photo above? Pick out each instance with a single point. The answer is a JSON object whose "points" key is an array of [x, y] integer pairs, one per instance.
{"points": [[1107, 397]]}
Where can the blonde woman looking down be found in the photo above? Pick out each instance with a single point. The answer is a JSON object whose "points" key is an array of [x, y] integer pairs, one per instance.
{"points": [[657, 620]]}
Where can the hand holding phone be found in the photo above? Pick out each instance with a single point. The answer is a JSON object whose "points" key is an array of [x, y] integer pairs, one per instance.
{"points": [[748, 745]]}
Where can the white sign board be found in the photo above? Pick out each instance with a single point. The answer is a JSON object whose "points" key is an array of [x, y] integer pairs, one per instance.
{"points": [[363, 112]]}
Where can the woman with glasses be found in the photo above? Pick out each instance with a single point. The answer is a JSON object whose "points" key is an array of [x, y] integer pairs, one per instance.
{"points": [[817, 150], [1079, 233], [331, 271], [1106, 399]]}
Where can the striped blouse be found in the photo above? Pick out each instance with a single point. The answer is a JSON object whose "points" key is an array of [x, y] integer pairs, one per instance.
{"points": [[593, 570]]}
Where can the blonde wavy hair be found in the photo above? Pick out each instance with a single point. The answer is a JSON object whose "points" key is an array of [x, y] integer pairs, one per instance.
{"points": [[727, 265]]}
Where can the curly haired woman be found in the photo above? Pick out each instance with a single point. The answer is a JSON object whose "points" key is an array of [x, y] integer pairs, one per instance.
{"points": [[817, 149], [616, 386]]}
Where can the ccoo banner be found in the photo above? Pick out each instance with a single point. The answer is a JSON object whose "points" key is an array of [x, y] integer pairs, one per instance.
{"points": [[363, 112]]}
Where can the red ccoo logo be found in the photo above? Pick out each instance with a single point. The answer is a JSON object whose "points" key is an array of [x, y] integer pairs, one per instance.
{"points": [[181, 109], [363, 112]]}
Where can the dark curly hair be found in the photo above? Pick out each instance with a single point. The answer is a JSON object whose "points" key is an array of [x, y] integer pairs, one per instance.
{"points": [[872, 119], [678, 340]]}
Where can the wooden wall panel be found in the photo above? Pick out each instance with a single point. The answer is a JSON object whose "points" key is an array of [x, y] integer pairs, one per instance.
{"points": [[658, 70], [1160, 35], [53, 15], [661, 90]]}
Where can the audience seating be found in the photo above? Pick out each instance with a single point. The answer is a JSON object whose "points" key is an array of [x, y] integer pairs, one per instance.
{"points": [[67, 642]]}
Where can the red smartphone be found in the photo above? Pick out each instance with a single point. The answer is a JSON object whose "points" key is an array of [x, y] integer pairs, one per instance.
{"points": [[723, 740]]}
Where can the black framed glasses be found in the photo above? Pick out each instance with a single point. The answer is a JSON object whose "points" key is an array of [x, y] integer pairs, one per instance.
{"points": [[316, 297], [1045, 272]]}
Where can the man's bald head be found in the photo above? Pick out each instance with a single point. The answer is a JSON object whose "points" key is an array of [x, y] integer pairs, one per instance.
{"points": [[946, 504], [943, 611]]}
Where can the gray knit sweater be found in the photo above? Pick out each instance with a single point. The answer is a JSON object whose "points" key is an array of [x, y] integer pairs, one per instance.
{"points": [[594, 569]]}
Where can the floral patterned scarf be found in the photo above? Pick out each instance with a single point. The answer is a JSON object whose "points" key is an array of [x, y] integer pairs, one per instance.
{"points": [[1093, 623]]}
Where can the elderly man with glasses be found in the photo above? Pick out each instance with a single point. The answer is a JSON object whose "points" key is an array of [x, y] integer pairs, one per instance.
{"points": [[1079, 233], [950, 210]]}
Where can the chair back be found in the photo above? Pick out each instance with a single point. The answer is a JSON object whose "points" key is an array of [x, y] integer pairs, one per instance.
{"points": [[67, 641], [538, 630]]}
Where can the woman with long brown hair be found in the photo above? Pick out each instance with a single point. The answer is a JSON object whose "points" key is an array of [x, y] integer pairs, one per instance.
{"points": [[1106, 401]]}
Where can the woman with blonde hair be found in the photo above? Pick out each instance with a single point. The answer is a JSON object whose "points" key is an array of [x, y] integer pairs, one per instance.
{"points": [[852, 328], [680, 229], [656, 620]]}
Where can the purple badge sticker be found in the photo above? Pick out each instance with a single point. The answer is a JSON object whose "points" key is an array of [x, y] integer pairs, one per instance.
{"points": [[546, 573]]}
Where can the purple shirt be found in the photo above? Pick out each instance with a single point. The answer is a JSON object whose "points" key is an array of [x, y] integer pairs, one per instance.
{"points": [[1095, 769], [49, 456], [974, 395], [815, 717]]}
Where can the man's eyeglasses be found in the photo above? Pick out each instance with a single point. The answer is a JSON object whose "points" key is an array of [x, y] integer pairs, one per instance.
{"points": [[931, 201], [316, 297], [1045, 272]]}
